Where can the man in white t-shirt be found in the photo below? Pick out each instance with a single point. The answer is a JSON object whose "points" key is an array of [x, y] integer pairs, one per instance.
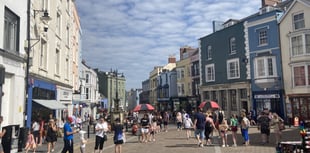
{"points": [[101, 129]]}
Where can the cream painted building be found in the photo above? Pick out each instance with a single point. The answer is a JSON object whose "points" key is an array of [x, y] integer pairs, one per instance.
{"points": [[53, 45], [295, 47], [153, 84], [12, 60], [76, 49]]}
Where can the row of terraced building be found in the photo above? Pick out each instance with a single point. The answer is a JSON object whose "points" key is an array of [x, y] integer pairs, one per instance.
{"points": [[259, 62]]}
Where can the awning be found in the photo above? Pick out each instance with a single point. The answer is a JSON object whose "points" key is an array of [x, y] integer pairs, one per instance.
{"points": [[51, 104]]}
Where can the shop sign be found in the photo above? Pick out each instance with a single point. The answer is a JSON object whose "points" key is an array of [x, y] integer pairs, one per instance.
{"points": [[267, 96]]}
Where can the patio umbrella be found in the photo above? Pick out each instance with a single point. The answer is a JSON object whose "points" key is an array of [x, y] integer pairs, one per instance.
{"points": [[143, 107], [209, 105]]}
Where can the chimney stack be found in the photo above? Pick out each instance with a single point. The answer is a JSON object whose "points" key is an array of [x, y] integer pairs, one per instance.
{"points": [[270, 2], [171, 59]]}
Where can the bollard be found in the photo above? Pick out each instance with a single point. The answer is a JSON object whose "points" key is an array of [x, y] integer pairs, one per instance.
{"points": [[88, 131]]}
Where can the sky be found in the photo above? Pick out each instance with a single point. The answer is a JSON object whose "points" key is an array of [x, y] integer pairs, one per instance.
{"points": [[134, 36]]}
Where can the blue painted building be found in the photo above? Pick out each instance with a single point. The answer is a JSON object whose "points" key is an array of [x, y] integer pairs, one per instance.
{"points": [[263, 49]]}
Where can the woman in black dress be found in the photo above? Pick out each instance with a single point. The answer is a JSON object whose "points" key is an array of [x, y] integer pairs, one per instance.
{"points": [[51, 135]]}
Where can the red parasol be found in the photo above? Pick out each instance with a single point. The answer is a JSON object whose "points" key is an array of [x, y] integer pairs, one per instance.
{"points": [[209, 104], [143, 107]]}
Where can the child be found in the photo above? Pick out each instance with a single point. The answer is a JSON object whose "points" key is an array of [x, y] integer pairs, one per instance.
{"points": [[118, 136], [188, 124], [223, 127], [30, 144], [83, 141]]}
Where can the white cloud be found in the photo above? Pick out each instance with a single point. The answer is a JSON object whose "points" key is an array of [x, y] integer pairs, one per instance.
{"points": [[133, 36]]}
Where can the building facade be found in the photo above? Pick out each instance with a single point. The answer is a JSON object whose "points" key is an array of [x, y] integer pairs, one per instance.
{"points": [[295, 50], [153, 84], [264, 55], [114, 89], [167, 90], [144, 95], [12, 61], [195, 76], [50, 68], [224, 68]]}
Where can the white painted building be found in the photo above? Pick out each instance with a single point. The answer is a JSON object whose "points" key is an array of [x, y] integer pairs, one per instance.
{"points": [[12, 58], [89, 90]]}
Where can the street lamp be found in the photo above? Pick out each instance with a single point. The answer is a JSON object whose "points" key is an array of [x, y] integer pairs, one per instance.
{"points": [[28, 102]]}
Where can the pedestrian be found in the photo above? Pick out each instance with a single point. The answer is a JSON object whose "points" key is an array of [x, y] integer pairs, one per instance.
{"points": [[83, 141], [101, 131], [51, 136], [159, 122], [153, 129], [245, 125], [209, 127], [68, 136], [263, 124], [199, 127], [223, 127], [234, 128], [276, 121], [36, 131], [119, 136], [179, 121], [79, 122], [145, 125], [166, 119], [188, 125], [42, 132], [2, 133], [30, 143]]}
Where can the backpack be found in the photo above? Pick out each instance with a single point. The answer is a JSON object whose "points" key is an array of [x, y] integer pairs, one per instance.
{"points": [[221, 117], [248, 123]]}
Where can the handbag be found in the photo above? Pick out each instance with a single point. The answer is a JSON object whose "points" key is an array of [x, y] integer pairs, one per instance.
{"points": [[105, 137]]}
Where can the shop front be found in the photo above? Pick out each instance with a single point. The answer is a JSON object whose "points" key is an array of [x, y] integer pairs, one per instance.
{"points": [[270, 100], [300, 106], [39, 90], [163, 104]]}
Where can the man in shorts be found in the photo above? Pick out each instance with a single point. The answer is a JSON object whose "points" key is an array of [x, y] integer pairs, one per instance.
{"points": [[145, 125], [199, 126]]}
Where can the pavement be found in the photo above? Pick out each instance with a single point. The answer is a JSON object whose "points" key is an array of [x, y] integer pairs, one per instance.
{"points": [[175, 141]]}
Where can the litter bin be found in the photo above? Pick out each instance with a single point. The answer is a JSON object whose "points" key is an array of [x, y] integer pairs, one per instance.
{"points": [[10, 139]]}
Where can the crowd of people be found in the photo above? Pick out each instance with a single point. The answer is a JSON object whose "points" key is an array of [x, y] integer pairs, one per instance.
{"points": [[204, 126], [210, 124], [48, 130]]}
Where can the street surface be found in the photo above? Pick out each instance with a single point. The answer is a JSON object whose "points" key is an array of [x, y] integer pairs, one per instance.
{"points": [[175, 141]]}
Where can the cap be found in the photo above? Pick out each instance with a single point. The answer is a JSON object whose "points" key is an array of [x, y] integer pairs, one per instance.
{"points": [[70, 119]]}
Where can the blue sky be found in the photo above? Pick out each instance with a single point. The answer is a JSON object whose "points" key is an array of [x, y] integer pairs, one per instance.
{"points": [[133, 36]]}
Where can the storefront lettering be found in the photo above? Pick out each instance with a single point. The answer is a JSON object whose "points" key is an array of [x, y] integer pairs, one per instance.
{"points": [[266, 96]]}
